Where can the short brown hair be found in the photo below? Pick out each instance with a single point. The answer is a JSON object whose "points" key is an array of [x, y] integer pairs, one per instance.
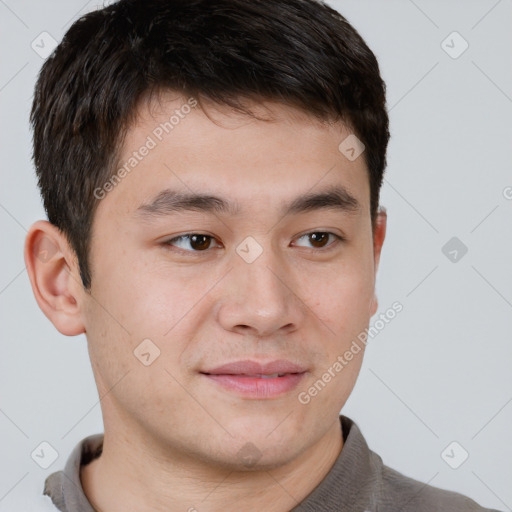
{"points": [[298, 52]]}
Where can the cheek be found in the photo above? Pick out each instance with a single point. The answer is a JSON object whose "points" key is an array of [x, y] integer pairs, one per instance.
{"points": [[134, 335], [342, 306], [148, 298], [341, 297]]}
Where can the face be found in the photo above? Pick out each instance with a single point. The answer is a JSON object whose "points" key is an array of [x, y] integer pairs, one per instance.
{"points": [[184, 286]]}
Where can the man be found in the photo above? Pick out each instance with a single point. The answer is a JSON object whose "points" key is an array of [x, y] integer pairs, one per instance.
{"points": [[211, 175]]}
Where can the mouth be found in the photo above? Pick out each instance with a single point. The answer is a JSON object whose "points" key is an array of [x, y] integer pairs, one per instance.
{"points": [[256, 376], [253, 368], [252, 379]]}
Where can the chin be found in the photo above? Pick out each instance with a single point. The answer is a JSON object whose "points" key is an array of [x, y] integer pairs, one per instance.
{"points": [[265, 427], [257, 456]]}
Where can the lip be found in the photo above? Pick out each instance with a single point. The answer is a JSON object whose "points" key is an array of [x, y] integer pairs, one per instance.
{"points": [[245, 377], [250, 367]]}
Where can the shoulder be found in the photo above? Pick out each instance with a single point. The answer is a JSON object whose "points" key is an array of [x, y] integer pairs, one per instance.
{"points": [[372, 486], [64, 487], [400, 493]]}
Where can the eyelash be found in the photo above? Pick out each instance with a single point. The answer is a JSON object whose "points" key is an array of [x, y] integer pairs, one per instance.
{"points": [[168, 243]]}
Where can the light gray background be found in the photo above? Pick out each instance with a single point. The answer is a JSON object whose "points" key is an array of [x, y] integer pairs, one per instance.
{"points": [[440, 371]]}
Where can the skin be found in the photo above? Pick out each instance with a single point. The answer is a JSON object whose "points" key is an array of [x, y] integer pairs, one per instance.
{"points": [[173, 438]]}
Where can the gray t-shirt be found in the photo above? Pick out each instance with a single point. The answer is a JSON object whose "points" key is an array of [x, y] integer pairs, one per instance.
{"points": [[357, 482]]}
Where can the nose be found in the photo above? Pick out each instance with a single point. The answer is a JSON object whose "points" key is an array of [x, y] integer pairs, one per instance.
{"points": [[260, 298]]}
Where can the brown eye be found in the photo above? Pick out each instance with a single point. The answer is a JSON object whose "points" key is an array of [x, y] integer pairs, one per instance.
{"points": [[200, 242], [320, 239], [197, 241]]}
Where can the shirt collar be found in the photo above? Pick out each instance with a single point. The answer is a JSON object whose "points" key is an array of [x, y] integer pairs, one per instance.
{"points": [[354, 481], [64, 487]]}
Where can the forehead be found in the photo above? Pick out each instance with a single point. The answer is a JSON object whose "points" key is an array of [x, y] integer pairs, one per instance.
{"points": [[173, 144]]}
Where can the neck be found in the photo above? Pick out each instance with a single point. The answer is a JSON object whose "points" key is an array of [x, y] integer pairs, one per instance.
{"points": [[129, 476]]}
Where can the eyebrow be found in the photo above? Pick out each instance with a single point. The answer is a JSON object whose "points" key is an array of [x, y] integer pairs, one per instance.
{"points": [[167, 202]]}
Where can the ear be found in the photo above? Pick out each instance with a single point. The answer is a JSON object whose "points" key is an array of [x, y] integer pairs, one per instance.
{"points": [[53, 272], [379, 234]]}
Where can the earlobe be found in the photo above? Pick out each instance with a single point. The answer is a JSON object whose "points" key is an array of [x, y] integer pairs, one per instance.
{"points": [[379, 235], [374, 305], [54, 277]]}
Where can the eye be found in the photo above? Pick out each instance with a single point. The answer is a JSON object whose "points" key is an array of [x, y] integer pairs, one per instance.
{"points": [[198, 241], [319, 239]]}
